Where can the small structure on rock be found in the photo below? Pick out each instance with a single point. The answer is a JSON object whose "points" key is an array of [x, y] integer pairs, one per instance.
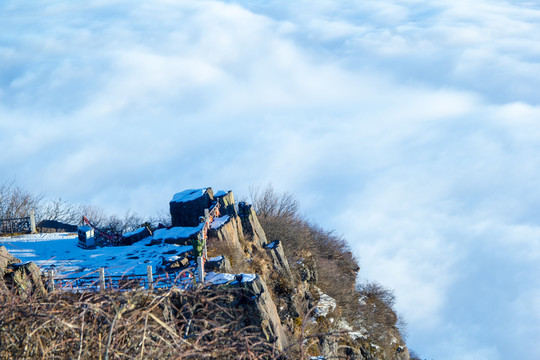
{"points": [[86, 237]]}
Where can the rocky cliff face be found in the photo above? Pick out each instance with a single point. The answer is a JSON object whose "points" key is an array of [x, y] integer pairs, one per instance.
{"points": [[294, 302], [288, 303]]}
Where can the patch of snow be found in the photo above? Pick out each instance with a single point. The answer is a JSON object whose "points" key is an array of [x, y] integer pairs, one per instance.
{"points": [[355, 335], [217, 258], [221, 193], [325, 305], [40, 237], [272, 245], [223, 278], [188, 195], [219, 222], [182, 249], [362, 300], [177, 232]]}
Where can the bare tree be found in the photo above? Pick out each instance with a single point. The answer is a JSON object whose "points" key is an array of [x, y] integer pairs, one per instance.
{"points": [[269, 203], [16, 202], [60, 210]]}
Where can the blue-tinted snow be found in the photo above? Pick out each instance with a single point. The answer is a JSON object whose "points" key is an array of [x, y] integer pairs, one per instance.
{"points": [[188, 195], [177, 232], [62, 252]]}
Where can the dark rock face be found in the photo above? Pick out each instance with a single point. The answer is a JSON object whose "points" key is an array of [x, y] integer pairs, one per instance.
{"points": [[226, 203], [52, 226], [135, 236], [251, 224], [188, 206]]}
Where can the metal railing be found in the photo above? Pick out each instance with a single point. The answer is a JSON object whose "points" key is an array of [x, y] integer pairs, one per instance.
{"points": [[185, 279], [15, 226]]}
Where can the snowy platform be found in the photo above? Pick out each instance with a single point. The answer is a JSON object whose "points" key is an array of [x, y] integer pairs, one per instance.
{"points": [[60, 252]]}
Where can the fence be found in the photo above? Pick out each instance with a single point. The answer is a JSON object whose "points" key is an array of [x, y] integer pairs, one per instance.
{"points": [[24, 225], [15, 226], [185, 279]]}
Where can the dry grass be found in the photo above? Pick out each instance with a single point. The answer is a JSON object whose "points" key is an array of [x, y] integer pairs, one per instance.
{"points": [[199, 324]]}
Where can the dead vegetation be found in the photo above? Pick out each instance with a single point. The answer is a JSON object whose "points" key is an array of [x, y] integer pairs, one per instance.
{"points": [[202, 323], [327, 262]]}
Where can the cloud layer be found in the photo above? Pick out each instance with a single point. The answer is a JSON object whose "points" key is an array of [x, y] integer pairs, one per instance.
{"points": [[409, 126]]}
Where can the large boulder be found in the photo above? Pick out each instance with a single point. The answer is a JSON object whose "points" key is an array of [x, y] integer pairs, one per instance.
{"points": [[25, 278], [188, 206], [6, 259]]}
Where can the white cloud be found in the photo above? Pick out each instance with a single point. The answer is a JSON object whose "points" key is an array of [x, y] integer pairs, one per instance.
{"points": [[411, 127]]}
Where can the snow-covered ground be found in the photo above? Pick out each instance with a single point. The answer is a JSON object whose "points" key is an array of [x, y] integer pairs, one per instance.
{"points": [[61, 251]]}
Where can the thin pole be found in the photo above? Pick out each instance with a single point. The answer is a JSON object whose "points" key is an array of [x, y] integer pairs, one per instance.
{"points": [[101, 279], [150, 277]]}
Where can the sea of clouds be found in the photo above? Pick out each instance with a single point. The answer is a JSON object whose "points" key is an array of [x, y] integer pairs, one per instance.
{"points": [[411, 127]]}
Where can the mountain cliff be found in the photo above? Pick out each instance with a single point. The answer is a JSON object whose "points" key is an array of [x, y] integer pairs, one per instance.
{"points": [[285, 286]]}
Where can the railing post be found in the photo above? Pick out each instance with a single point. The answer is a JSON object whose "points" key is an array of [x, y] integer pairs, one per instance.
{"points": [[101, 279], [150, 277], [32, 222], [51, 281], [200, 269]]}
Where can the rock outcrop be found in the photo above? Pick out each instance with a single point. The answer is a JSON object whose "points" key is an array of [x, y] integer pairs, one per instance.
{"points": [[251, 224], [6, 259], [226, 203], [262, 311], [229, 232], [281, 264], [25, 278], [188, 206]]}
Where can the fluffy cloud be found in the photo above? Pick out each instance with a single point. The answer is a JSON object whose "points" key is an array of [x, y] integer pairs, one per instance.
{"points": [[411, 127]]}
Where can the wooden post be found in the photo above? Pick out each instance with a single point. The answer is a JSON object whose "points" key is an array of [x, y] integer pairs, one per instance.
{"points": [[33, 221], [206, 214], [200, 269], [101, 279], [51, 281], [150, 277]]}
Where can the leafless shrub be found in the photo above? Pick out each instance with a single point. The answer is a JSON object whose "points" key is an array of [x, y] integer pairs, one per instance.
{"points": [[279, 217], [269, 203]]}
